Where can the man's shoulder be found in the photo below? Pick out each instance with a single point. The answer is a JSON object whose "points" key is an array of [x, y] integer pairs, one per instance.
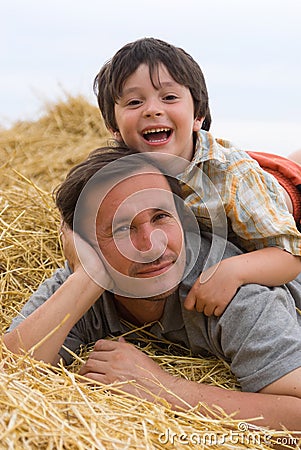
{"points": [[204, 250]]}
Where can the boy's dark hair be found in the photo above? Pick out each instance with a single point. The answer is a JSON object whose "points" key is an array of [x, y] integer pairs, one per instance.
{"points": [[96, 165], [182, 67]]}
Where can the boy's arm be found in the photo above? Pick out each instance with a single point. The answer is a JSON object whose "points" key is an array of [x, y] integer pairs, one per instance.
{"points": [[56, 316], [216, 287], [270, 266]]}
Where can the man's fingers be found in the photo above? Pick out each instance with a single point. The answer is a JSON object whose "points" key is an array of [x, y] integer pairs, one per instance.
{"points": [[106, 345]]}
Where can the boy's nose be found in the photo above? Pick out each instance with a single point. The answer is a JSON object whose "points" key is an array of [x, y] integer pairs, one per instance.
{"points": [[153, 109], [153, 114]]}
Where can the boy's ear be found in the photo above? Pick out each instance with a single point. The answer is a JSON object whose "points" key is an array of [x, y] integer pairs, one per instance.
{"points": [[197, 124], [116, 135]]}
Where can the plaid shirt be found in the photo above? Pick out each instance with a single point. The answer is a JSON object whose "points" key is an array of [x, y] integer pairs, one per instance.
{"points": [[226, 188]]}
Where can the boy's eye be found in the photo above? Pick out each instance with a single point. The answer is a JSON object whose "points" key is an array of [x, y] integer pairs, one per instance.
{"points": [[170, 97], [134, 102]]}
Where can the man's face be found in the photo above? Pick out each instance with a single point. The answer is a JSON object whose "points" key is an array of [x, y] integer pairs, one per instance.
{"points": [[140, 236], [156, 119]]}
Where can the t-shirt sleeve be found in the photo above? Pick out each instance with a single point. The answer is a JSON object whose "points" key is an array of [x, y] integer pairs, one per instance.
{"points": [[43, 293], [86, 331], [260, 334]]}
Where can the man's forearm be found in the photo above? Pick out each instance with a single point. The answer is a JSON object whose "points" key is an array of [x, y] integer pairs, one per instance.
{"points": [[119, 361], [274, 411], [54, 318]]}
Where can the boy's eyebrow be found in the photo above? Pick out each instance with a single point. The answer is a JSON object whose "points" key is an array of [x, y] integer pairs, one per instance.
{"points": [[136, 88]]}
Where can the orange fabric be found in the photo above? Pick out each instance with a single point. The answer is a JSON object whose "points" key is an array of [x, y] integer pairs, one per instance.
{"points": [[287, 173]]}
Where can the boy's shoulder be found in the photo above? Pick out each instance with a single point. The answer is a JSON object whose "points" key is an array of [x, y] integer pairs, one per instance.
{"points": [[221, 153]]}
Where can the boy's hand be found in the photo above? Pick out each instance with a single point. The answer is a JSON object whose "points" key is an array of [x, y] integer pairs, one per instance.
{"points": [[214, 289]]}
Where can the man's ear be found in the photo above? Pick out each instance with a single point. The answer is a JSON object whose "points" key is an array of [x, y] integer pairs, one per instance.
{"points": [[197, 124]]}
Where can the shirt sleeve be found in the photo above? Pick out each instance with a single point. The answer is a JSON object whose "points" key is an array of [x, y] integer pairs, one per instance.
{"points": [[43, 293], [257, 210], [265, 343], [86, 331]]}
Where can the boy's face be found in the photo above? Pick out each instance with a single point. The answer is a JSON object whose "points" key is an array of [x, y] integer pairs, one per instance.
{"points": [[158, 119]]}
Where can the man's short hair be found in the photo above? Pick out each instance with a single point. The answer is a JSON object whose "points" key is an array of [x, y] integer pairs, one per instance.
{"points": [[97, 167]]}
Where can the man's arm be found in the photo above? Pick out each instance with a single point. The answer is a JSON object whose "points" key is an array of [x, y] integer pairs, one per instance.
{"points": [[122, 362], [55, 317], [216, 287]]}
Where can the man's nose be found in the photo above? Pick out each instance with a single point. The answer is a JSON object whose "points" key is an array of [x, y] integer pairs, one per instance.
{"points": [[143, 241], [150, 242]]}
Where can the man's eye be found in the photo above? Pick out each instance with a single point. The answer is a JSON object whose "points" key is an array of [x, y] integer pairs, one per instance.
{"points": [[162, 216], [121, 231]]}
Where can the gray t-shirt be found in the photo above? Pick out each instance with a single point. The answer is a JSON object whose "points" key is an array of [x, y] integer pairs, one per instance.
{"points": [[259, 333]]}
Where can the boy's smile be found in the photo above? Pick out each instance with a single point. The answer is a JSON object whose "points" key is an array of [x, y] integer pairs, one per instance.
{"points": [[156, 116]]}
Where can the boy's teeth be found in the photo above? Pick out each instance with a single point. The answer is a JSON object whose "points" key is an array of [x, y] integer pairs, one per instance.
{"points": [[157, 134], [156, 130]]}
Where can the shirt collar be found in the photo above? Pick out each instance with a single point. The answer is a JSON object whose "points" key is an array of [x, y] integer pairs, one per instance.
{"points": [[208, 148], [171, 319]]}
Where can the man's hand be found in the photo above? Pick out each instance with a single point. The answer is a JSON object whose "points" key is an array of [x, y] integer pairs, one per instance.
{"points": [[119, 361], [214, 289], [81, 255]]}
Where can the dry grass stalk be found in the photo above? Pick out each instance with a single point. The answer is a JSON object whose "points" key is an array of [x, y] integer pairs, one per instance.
{"points": [[46, 408], [44, 150]]}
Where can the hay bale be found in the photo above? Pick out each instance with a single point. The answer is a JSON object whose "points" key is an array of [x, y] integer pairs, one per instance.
{"points": [[46, 408], [45, 149]]}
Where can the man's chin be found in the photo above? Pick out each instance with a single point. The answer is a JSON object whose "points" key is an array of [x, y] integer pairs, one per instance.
{"points": [[163, 296], [154, 298]]}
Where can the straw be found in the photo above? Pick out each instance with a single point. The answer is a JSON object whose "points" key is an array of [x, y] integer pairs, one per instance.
{"points": [[42, 407]]}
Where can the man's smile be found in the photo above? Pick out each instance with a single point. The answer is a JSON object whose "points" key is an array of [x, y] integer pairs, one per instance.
{"points": [[153, 269]]}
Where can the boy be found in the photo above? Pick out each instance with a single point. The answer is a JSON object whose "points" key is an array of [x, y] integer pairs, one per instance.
{"points": [[153, 97]]}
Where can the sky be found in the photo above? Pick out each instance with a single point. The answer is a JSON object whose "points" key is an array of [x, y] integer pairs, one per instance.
{"points": [[249, 51]]}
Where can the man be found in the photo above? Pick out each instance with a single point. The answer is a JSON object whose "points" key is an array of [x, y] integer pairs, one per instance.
{"points": [[137, 261]]}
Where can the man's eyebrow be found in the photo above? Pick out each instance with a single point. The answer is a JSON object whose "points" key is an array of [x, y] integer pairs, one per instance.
{"points": [[128, 218]]}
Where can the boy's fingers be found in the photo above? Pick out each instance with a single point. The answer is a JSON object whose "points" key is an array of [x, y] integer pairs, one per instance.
{"points": [[219, 311], [190, 301]]}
